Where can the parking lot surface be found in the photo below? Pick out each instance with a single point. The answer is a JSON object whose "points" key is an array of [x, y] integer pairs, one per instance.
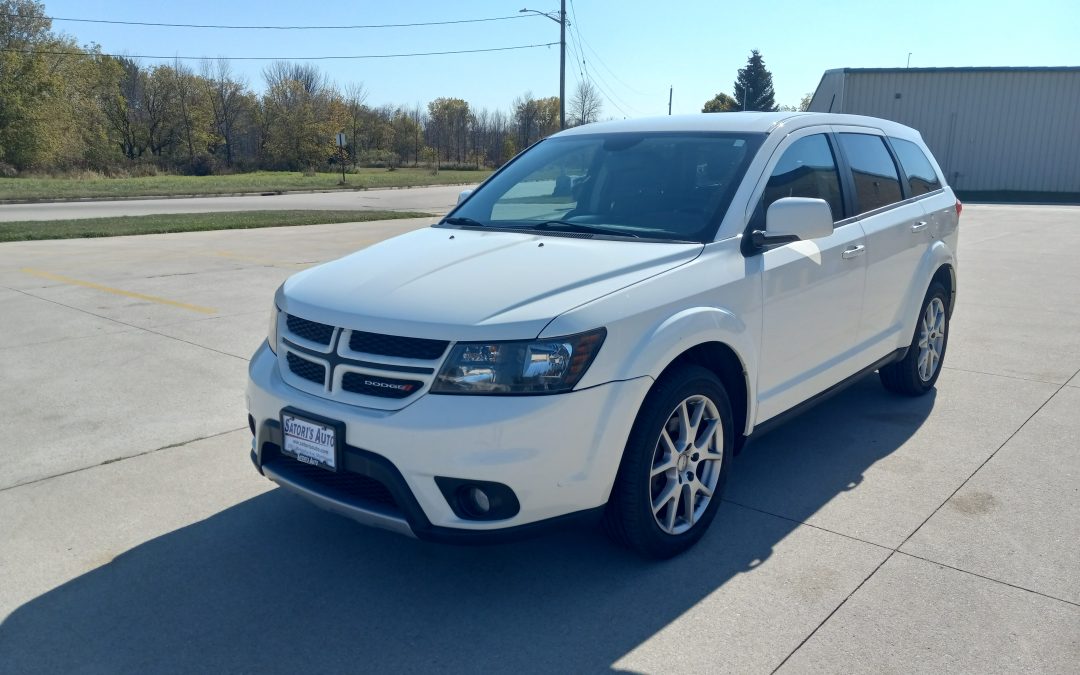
{"points": [[872, 534]]}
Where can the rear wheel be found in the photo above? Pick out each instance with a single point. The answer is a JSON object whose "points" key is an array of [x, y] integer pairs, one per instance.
{"points": [[674, 467], [918, 371]]}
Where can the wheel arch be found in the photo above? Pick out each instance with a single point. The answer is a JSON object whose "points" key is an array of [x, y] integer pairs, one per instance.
{"points": [[946, 276], [937, 265], [723, 361]]}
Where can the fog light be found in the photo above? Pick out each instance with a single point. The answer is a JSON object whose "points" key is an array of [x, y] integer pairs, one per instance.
{"points": [[480, 500]]}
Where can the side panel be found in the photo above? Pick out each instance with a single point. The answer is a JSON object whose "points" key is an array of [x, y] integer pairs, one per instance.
{"points": [[813, 298], [651, 323], [939, 254]]}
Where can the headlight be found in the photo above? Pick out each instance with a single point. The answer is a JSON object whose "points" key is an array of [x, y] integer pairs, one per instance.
{"points": [[272, 333], [547, 366]]}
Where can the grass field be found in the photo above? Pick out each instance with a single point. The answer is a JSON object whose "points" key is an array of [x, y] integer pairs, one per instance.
{"points": [[258, 182], [186, 222]]}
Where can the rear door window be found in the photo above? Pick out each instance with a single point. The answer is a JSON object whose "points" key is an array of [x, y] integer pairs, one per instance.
{"points": [[877, 182], [920, 172]]}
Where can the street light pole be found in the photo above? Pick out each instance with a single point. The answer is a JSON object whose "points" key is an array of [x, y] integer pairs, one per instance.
{"points": [[561, 20], [562, 64]]}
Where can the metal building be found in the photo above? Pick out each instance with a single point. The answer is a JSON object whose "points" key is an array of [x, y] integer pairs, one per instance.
{"points": [[995, 131]]}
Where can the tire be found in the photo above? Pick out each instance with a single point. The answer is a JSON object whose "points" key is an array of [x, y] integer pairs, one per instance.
{"points": [[690, 475], [912, 375]]}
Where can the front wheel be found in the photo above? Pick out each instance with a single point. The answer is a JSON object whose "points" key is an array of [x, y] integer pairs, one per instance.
{"points": [[916, 373], [674, 467]]}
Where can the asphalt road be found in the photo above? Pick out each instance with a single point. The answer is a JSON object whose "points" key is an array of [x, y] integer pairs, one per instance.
{"points": [[873, 533], [436, 199]]}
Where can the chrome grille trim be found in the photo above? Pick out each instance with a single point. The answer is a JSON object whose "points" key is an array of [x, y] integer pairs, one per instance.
{"points": [[339, 359]]}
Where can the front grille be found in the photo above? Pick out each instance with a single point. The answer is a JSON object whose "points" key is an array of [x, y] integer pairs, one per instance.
{"points": [[308, 370], [353, 487], [309, 330], [384, 387], [393, 345]]}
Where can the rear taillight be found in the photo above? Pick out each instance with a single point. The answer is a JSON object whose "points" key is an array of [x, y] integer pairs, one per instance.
{"points": [[959, 207]]}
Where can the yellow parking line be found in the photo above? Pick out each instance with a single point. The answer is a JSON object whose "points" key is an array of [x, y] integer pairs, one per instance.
{"points": [[117, 291]]}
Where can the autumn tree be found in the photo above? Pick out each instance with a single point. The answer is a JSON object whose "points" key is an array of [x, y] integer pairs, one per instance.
{"points": [[230, 104], [301, 117], [45, 95], [356, 111], [122, 104], [535, 118], [449, 120]]}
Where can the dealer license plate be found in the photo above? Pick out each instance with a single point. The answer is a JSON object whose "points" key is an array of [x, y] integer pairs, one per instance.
{"points": [[309, 441]]}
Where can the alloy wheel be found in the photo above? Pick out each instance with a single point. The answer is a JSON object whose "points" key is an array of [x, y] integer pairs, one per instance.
{"points": [[686, 464], [931, 338]]}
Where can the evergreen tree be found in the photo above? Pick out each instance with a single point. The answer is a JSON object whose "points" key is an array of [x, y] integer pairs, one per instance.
{"points": [[753, 86]]}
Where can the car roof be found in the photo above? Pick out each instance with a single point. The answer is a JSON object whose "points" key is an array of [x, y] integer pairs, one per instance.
{"points": [[738, 122]]}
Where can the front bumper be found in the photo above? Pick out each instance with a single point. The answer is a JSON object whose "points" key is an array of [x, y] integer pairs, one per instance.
{"points": [[559, 453]]}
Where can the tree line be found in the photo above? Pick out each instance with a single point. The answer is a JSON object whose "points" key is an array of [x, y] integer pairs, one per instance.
{"points": [[66, 107]]}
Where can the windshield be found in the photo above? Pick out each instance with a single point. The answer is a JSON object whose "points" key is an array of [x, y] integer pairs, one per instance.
{"points": [[668, 186]]}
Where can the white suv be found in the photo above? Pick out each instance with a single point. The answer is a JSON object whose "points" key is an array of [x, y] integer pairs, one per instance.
{"points": [[604, 321]]}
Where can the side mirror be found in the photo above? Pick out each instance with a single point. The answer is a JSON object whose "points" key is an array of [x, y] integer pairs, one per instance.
{"points": [[463, 195], [793, 219]]}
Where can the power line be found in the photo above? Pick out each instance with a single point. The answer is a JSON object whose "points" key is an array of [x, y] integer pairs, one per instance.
{"points": [[585, 45], [594, 77], [577, 60], [577, 30], [606, 89], [241, 27], [278, 58]]}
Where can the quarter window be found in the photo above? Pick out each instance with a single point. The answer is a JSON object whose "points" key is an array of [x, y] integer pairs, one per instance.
{"points": [[920, 172], [806, 169], [877, 183]]}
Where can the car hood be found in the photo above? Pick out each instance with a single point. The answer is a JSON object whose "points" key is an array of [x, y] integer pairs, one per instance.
{"points": [[455, 284]]}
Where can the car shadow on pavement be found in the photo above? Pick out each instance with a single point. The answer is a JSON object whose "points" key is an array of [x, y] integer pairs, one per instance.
{"points": [[274, 584]]}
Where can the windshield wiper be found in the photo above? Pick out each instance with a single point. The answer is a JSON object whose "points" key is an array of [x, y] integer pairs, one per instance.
{"points": [[461, 220], [566, 225]]}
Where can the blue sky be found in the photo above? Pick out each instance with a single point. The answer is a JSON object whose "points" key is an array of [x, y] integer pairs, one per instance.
{"points": [[633, 50]]}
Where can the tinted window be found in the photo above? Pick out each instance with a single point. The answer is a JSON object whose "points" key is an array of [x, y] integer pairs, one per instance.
{"points": [[920, 172], [659, 185], [806, 169], [876, 182]]}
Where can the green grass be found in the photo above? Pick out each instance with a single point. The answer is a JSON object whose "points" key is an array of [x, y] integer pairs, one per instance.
{"points": [[185, 222], [31, 188]]}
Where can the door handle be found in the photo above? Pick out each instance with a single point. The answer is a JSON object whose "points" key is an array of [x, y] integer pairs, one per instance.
{"points": [[919, 226], [853, 251]]}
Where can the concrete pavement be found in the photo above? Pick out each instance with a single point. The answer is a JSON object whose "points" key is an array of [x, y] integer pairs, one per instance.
{"points": [[872, 534], [435, 199]]}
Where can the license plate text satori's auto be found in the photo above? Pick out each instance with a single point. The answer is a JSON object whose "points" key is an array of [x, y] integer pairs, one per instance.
{"points": [[309, 442]]}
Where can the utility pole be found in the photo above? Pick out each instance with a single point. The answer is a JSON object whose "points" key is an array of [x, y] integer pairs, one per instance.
{"points": [[562, 64], [561, 20], [670, 93]]}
